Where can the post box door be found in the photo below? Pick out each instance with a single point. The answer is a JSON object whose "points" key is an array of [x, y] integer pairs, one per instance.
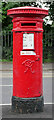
{"points": [[27, 63]]}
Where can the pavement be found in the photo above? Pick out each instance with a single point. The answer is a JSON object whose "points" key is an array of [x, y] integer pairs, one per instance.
{"points": [[8, 66], [8, 113], [6, 69], [6, 75]]}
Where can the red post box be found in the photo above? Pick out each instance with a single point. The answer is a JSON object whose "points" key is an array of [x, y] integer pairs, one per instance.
{"points": [[27, 58]]}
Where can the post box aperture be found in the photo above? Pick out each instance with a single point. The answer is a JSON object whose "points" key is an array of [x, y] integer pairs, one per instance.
{"points": [[27, 58]]}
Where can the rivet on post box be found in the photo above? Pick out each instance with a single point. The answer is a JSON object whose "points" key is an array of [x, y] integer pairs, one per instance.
{"points": [[27, 58]]}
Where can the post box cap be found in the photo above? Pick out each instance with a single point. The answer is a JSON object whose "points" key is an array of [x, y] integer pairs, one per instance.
{"points": [[27, 11]]}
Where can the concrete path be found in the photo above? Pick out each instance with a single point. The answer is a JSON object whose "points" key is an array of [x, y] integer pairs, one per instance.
{"points": [[47, 113], [8, 66], [6, 74]]}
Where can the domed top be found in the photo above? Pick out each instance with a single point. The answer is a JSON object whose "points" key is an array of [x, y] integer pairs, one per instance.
{"points": [[26, 10]]}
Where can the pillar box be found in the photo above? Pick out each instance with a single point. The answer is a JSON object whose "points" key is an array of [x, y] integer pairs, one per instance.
{"points": [[27, 58]]}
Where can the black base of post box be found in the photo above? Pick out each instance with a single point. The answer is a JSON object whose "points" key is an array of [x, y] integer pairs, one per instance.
{"points": [[27, 105]]}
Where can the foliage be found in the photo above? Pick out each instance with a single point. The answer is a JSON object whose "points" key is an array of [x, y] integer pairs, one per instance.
{"points": [[7, 24], [7, 53], [51, 11], [6, 20]]}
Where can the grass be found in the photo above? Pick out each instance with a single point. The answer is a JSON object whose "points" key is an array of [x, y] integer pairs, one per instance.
{"points": [[45, 60], [5, 60], [48, 60]]}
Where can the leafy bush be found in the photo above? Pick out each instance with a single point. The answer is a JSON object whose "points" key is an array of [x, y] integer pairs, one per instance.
{"points": [[7, 53]]}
